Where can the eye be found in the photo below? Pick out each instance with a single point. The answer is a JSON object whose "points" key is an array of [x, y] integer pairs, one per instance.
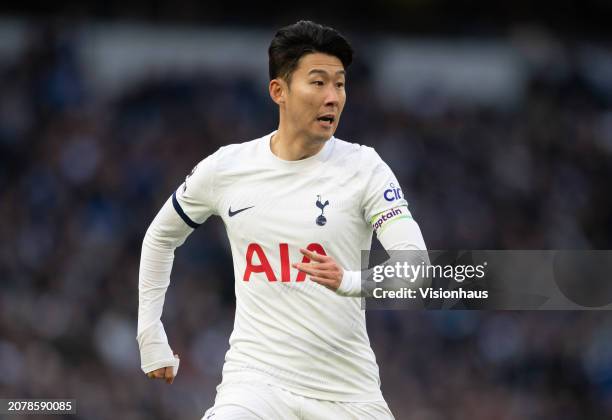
{"points": [[340, 84], [318, 83]]}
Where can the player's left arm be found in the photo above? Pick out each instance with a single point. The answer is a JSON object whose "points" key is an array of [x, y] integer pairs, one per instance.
{"points": [[399, 232], [386, 211]]}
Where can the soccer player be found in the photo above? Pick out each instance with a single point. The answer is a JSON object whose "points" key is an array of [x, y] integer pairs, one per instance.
{"points": [[299, 205]]}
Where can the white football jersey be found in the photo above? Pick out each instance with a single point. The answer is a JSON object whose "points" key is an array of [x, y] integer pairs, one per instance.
{"points": [[288, 330]]}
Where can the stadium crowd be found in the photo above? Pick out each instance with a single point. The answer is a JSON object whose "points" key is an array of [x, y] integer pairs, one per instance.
{"points": [[81, 179]]}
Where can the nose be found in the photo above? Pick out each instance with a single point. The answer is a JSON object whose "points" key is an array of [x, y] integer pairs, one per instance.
{"points": [[332, 97]]}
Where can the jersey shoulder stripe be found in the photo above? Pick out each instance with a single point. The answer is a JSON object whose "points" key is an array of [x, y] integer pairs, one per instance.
{"points": [[183, 215]]}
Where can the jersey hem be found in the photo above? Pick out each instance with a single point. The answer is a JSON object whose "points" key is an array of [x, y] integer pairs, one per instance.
{"points": [[252, 376]]}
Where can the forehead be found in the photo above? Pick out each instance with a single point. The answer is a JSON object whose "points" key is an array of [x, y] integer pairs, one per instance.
{"points": [[319, 61]]}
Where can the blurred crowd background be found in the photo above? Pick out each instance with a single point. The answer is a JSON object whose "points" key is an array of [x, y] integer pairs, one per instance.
{"points": [[513, 158]]}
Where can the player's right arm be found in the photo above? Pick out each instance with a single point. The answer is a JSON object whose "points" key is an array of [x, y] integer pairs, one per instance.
{"points": [[188, 207], [166, 233]]}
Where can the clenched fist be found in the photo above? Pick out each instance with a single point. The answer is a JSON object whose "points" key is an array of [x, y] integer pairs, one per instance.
{"points": [[167, 373]]}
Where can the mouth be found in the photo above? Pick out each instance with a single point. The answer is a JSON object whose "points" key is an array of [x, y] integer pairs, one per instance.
{"points": [[326, 120]]}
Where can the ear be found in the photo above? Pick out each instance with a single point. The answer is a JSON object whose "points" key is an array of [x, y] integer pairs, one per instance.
{"points": [[277, 88]]}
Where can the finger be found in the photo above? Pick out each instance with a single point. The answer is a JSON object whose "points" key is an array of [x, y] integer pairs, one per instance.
{"points": [[320, 266], [309, 269], [169, 375], [313, 255], [316, 266], [330, 284], [316, 257], [321, 270]]}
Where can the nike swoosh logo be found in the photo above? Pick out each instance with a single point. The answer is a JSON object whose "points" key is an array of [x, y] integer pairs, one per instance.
{"points": [[231, 213]]}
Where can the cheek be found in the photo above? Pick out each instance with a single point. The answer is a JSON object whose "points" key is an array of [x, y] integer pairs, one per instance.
{"points": [[308, 105], [304, 104], [308, 97]]}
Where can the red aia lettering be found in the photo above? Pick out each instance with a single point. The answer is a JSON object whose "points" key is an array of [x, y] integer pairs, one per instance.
{"points": [[265, 267], [262, 267], [314, 248], [284, 257]]}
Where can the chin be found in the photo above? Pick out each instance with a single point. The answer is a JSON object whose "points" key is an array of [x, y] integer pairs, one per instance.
{"points": [[323, 136]]}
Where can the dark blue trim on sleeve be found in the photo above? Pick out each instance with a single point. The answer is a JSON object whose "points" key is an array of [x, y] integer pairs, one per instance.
{"points": [[181, 213]]}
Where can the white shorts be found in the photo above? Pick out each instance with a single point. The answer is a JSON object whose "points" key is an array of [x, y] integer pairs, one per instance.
{"points": [[250, 401]]}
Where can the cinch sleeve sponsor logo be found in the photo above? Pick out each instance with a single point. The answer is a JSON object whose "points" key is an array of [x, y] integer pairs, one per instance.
{"points": [[393, 193]]}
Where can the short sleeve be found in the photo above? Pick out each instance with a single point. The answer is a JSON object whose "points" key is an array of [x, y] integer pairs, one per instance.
{"points": [[194, 200], [382, 191]]}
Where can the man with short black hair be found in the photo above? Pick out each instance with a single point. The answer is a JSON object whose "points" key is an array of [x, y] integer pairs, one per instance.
{"points": [[299, 205]]}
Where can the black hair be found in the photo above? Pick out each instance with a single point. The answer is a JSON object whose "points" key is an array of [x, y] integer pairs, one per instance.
{"points": [[304, 37]]}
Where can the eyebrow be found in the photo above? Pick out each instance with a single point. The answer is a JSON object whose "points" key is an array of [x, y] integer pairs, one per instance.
{"points": [[324, 72]]}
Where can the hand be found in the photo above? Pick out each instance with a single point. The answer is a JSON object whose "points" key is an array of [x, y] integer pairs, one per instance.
{"points": [[165, 373], [323, 270]]}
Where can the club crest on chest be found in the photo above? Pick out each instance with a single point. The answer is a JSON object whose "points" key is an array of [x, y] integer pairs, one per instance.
{"points": [[321, 219]]}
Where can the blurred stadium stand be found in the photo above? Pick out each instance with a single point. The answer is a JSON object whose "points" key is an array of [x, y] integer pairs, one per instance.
{"points": [[500, 138]]}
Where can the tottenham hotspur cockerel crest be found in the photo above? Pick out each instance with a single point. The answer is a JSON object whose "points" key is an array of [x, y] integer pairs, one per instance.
{"points": [[321, 220]]}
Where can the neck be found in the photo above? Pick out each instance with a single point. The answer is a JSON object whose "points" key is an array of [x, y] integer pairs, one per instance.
{"points": [[290, 145]]}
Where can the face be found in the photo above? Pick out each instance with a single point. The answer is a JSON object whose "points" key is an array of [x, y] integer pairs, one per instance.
{"points": [[314, 99]]}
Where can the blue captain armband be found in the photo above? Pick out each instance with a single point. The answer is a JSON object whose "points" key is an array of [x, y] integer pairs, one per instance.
{"points": [[385, 218]]}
